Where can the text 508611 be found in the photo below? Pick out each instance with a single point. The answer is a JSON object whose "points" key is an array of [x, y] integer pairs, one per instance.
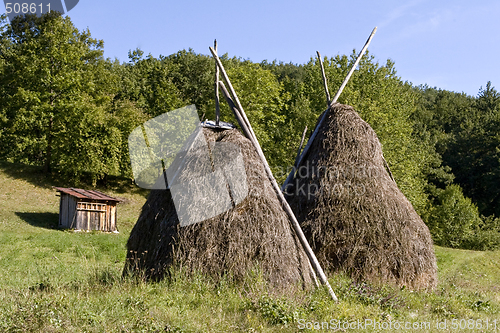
{"points": [[26, 8]]}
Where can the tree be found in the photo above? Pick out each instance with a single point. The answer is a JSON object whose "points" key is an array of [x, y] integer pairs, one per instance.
{"points": [[193, 75], [262, 99], [453, 218], [387, 103], [148, 82], [474, 152], [464, 132], [57, 98]]}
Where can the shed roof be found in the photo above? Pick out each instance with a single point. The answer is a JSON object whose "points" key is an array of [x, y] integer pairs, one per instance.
{"points": [[86, 194]]}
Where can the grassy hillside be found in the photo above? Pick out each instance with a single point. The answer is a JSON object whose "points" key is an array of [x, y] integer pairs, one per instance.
{"points": [[61, 281]]}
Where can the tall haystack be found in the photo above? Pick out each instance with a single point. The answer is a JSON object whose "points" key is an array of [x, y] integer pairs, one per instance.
{"points": [[353, 213], [253, 235]]}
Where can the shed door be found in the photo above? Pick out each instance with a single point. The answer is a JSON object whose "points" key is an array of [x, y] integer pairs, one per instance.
{"points": [[92, 216]]}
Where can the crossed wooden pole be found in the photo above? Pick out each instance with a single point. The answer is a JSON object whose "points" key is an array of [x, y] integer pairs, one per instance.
{"points": [[330, 103], [236, 107]]}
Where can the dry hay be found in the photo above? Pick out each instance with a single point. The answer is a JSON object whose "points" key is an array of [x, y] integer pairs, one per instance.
{"points": [[354, 215], [255, 235]]}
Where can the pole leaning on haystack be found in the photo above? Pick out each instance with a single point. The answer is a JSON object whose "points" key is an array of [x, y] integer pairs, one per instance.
{"points": [[324, 79], [335, 98], [300, 147], [353, 68], [217, 103], [235, 110], [233, 92], [240, 113], [247, 133]]}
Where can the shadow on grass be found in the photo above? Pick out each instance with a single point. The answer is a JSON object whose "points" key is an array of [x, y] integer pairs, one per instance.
{"points": [[36, 176], [41, 220], [30, 173]]}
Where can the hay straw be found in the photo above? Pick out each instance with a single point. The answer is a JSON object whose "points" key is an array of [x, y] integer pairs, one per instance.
{"points": [[354, 215], [255, 234]]}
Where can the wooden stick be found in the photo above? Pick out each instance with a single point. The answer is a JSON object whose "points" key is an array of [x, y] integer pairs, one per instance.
{"points": [[295, 224], [246, 131], [313, 275], [300, 147], [313, 135], [324, 79], [217, 102], [386, 165], [353, 68], [235, 110], [150, 151], [231, 90]]}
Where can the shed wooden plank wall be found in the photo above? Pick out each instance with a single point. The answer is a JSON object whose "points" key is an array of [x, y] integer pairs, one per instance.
{"points": [[66, 211], [81, 214], [72, 212], [111, 220], [62, 210], [96, 216]]}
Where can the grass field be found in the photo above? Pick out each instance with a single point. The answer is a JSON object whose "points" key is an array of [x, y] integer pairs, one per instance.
{"points": [[61, 281]]}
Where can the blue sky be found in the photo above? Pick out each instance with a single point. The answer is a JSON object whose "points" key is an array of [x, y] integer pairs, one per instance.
{"points": [[449, 44]]}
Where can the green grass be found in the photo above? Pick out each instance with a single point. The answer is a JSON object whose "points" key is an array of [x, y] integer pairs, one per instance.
{"points": [[61, 281]]}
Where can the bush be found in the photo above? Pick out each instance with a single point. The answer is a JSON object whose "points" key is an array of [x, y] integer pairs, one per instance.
{"points": [[486, 236], [276, 311], [453, 219]]}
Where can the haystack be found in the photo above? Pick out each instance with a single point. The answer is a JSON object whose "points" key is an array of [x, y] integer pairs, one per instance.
{"points": [[253, 235], [353, 213]]}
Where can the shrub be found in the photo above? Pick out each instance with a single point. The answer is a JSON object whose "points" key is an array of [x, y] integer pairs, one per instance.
{"points": [[486, 235], [276, 311], [453, 219]]}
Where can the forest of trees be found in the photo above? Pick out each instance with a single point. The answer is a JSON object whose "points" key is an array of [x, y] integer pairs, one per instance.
{"points": [[67, 109]]}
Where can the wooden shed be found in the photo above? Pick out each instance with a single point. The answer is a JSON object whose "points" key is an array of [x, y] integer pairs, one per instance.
{"points": [[86, 210]]}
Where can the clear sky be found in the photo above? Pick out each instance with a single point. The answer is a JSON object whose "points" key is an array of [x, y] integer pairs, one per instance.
{"points": [[448, 44]]}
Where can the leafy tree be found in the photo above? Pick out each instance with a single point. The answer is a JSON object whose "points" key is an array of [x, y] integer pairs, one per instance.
{"points": [[297, 110], [474, 154], [57, 98], [47, 63], [454, 218], [193, 75], [262, 99], [464, 132], [148, 82], [486, 235]]}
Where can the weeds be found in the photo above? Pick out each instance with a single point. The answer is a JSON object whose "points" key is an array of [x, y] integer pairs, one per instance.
{"points": [[481, 305], [275, 310], [366, 294]]}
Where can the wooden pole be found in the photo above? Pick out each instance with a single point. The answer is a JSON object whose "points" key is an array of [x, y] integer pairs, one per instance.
{"points": [[335, 98], [232, 91], [235, 110], [300, 147], [324, 79], [150, 151], [246, 131], [295, 224], [353, 68], [217, 102]]}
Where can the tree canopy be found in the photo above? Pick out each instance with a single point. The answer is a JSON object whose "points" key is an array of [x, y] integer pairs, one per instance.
{"points": [[57, 102]]}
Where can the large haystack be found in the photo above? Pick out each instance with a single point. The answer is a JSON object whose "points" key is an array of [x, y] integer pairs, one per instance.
{"points": [[354, 215], [253, 235]]}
